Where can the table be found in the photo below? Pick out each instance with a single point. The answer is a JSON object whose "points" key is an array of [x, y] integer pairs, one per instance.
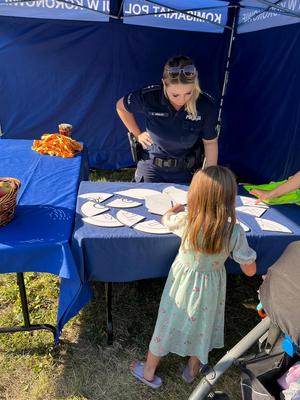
{"points": [[124, 254], [37, 240], [268, 245]]}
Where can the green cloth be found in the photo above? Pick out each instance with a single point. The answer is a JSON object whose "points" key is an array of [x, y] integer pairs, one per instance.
{"points": [[289, 198]]}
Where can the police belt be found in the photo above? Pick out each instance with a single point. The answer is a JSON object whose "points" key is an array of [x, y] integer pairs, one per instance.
{"points": [[179, 163]]}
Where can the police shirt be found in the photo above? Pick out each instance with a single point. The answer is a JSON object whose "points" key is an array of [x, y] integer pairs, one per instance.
{"points": [[173, 132]]}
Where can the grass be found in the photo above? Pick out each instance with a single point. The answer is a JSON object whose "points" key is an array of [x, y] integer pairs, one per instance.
{"points": [[83, 367]]}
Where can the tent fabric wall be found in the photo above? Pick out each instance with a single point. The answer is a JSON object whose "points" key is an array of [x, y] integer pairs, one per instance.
{"points": [[74, 72], [71, 71], [260, 137]]}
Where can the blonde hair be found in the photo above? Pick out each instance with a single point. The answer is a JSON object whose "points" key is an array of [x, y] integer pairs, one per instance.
{"points": [[182, 61], [211, 210]]}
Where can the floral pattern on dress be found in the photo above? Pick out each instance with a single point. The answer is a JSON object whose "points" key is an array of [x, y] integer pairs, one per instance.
{"points": [[191, 313]]}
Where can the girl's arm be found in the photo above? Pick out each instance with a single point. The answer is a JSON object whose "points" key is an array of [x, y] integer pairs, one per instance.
{"points": [[292, 184], [249, 269], [129, 121], [175, 209]]}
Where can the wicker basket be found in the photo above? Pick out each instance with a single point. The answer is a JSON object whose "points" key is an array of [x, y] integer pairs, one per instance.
{"points": [[8, 201]]}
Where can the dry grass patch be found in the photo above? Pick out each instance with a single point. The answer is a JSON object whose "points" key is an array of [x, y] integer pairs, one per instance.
{"points": [[84, 367]]}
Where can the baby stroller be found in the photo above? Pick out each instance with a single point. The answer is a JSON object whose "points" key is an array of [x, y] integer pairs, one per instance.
{"points": [[278, 336]]}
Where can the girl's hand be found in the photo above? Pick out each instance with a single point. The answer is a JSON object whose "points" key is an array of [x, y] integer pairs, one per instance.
{"points": [[177, 208], [145, 140], [249, 269]]}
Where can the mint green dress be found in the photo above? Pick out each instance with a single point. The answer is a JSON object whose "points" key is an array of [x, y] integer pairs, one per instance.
{"points": [[190, 319]]}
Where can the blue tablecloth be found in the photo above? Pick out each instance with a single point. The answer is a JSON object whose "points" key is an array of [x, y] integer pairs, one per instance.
{"points": [[124, 254], [269, 245], [37, 239]]}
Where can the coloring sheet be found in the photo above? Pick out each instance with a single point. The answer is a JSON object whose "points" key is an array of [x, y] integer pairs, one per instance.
{"points": [[244, 226], [90, 208], [178, 196], [151, 226], [128, 218], [104, 220], [138, 193], [250, 201], [123, 203], [99, 197], [255, 211], [158, 203], [268, 225]]}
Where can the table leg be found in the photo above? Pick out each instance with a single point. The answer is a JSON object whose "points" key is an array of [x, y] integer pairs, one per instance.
{"points": [[27, 325], [109, 320]]}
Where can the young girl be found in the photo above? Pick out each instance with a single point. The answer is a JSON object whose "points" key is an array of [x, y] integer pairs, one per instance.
{"points": [[191, 314]]}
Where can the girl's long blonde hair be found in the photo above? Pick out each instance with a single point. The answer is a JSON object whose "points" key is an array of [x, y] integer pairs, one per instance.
{"points": [[181, 61], [211, 210]]}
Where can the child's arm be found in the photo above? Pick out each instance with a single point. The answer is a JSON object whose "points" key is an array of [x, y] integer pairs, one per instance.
{"points": [[249, 269], [292, 184], [175, 209]]}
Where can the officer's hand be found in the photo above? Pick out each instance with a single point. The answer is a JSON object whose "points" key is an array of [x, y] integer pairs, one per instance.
{"points": [[145, 140]]}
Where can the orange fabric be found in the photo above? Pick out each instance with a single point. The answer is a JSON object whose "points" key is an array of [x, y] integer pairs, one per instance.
{"points": [[57, 145]]}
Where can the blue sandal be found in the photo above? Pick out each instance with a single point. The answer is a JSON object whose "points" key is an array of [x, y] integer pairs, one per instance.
{"points": [[138, 372], [186, 376]]}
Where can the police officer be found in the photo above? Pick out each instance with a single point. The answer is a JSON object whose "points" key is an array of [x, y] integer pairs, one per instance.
{"points": [[179, 117]]}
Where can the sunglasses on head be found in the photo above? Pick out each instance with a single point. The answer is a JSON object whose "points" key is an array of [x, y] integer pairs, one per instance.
{"points": [[188, 71]]}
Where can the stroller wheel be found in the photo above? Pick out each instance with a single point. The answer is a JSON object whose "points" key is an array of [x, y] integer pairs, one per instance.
{"points": [[217, 395]]}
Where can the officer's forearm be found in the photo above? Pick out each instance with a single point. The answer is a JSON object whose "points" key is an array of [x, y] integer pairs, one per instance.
{"points": [[211, 152], [129, 121]]}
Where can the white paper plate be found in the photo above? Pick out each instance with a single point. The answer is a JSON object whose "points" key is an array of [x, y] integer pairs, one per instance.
{"points": [[255, 211], [138, 193], [104, 220], [151, 226], [268, 225], [178, 196], [250, 201], [97, 196], [123, 203], [90, 208], [244, 226], [158, 203], [128, 218]]}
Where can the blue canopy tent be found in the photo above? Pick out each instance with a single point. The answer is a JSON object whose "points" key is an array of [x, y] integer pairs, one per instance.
{"points": [[69, 61]]}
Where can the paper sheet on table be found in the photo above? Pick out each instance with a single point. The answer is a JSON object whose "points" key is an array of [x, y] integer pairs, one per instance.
{"points": [[255, 211], [90, 208], [128, 218], [151, 226], [268, 225], [138, 193], [123, 203], [250, 201], [96, 196], [158, 203], [178, 196], [104, 220], [244, 226]]}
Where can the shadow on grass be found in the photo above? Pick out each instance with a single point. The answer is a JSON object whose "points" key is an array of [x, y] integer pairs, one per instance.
{"points": [[93, 370]]}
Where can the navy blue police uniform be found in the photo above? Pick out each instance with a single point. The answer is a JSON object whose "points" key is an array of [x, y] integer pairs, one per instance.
{"points": [[171, 157]]}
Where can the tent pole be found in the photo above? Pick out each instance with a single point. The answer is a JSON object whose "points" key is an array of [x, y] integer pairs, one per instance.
{"points": [[232, 22]]}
